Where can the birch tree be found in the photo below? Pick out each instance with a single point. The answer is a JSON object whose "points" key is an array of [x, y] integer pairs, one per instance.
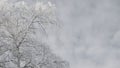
{"points": [[19, 24]]}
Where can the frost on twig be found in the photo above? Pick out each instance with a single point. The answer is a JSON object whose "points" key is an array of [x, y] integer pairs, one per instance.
{"points": [[19, 24]]}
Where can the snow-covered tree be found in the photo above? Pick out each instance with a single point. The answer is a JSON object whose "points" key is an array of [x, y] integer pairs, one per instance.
{"points": [[19, 44]]}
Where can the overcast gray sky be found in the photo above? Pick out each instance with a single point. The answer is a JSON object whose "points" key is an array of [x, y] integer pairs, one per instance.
{"points": [[91, 32]]}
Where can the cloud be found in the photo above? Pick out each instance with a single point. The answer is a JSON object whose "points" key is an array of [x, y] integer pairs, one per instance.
{"points": [[90, 34]]}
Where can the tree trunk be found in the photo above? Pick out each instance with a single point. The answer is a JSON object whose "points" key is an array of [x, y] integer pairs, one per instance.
{"points": [[18, 57], [18, 65]]}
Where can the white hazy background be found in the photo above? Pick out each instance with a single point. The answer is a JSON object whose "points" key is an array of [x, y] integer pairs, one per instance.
{"points": [[89, 35]]}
